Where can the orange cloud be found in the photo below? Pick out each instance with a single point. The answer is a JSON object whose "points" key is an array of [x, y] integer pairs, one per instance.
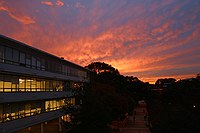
{"points": [[59, 3], [153, 79], [49, 3], [142, 41], [18, 17]]}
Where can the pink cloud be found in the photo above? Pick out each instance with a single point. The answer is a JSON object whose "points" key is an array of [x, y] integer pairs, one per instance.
{"points": [[47, 3], [135, 40], [18, 17], [57, 3]]}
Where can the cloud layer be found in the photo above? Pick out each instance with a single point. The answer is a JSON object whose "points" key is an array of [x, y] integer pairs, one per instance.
{"points": [[144, 38]]}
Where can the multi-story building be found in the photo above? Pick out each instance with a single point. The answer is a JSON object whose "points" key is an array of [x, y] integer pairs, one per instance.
{"points": [[35, 86]]}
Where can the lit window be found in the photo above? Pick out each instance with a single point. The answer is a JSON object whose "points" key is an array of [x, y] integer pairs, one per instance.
{"points": [[28, 84], [21, 84], [33, 85]]}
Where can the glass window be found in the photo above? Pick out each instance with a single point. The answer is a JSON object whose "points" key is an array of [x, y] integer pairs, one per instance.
{"points": [[7, 108], [28, 60], [33, 62], [27, 109], [1, 86], [1, 83], [14, 107], [8, 55], [42, 64], [63, 69], [33, 84], [7, 86], [53, 67], [54, 84], [59, 68], [14, 87], [46, 65], [22, 59], [42, 85], [71, 71], [47, 84], [21, 113], [54, 104], [51, 85], [47, 105], [28, 84], [50, 66], [56, 67], [15, 56], [1, 53], [75, 72], [38, 85], [73, 101], [38, 62], [15, 82], [21, 84], [59, 86], [66, 70], [7, 83]]}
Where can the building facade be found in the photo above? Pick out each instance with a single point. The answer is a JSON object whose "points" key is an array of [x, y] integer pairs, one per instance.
{"points": [[35, 86]]}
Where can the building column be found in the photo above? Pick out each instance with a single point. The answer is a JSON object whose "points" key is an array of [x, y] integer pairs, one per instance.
{"points": [[60, 124], [42, 128]]}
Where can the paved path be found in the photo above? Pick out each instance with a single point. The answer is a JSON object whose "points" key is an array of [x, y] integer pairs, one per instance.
{"points": [[138, 122]]}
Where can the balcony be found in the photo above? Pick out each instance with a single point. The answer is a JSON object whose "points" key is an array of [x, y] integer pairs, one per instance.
{"points": [[14, 125], [39, 72], [28, 96]]}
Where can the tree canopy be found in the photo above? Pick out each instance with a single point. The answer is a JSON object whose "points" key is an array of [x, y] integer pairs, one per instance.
{"points": [[100, 68], [108, 98]]}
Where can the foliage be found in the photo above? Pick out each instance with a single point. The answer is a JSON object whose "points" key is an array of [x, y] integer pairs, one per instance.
{"points": [[166, 80], [102, 68], [109, 96], [176, 109]]}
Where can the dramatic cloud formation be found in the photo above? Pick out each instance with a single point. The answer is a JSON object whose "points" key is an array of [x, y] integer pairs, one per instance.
{"points": [[149, 39]]}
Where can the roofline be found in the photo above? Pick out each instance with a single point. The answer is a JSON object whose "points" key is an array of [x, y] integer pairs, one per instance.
{"points": [[44, 52]]}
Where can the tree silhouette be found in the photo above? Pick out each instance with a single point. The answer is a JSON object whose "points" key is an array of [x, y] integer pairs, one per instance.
{"points": [[108, 98], [99, 68]]}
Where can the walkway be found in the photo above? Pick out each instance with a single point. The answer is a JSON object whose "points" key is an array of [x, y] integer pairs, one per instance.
{"points": [[138, 123]]}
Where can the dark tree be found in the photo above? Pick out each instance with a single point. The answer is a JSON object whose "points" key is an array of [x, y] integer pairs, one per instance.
{"points": [[99, 68], [108, 98]]}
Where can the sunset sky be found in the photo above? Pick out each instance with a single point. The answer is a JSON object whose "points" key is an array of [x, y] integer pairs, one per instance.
{"points": [[148, 39]]}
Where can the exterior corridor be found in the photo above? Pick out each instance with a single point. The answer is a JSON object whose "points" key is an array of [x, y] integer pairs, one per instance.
{"points": [[138, 123]]}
